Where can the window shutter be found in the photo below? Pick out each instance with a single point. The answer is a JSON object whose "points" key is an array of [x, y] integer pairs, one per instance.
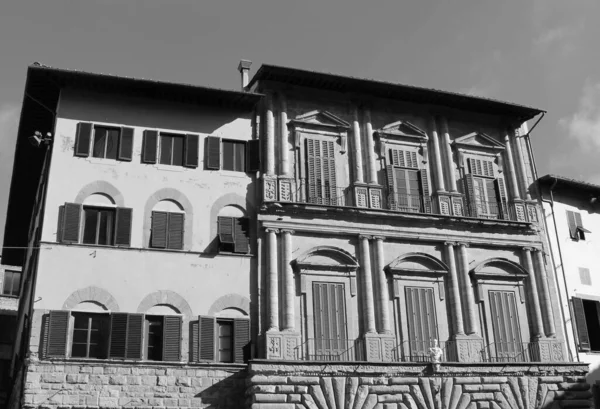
{"points": [[392, 193], [572, 224], [71, 220], [57, 333], [123, 226], [253, 152], [225, 229], [207, 338], [501, 194], [397, 158], [61, 222], [582, 331], [149, 145], [241, 333], [329, 172], [423, 176], [491, 198], [194, 340], [470, 192], [241, 234], [175, 231], [83, 139], [172, 338], [126, 144], [191, 150], [45, 331], [213, 153], [158, 235], [135, 326], [118, 335], [578, 222], [411, 159], [312, 170]]}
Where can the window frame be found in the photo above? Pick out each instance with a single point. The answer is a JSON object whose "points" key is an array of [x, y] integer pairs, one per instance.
{"points": [[229, 247], [575, 225], [167, 245], [11, 292], [172, 136], [219, 322], [104, 322], [111, 223], [105, 128], [146, 336], [235, 156]]}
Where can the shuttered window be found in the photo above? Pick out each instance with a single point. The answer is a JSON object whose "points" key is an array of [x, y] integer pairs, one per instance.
{"points": [[58, 327], [170, 148], [329, 310], [422, 321], [236, 156], [486, 195], [223, 339], [101, 225], [233, 234], [90, 335], [167, 230], [126, 336], [172, 338], [408, 187], [106, 142], [12, 283], [320, 172], [587, 318], [505, 324], [576, 229]]}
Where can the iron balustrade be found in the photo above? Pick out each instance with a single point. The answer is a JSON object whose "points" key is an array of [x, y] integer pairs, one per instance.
{"points": [[323, 349], [419, 351]]}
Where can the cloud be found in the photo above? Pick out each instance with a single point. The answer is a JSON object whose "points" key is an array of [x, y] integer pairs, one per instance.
{"points": [[584, 125]]}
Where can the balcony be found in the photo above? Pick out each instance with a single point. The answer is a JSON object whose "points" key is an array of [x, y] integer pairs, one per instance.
{"points": [[341, 350]]}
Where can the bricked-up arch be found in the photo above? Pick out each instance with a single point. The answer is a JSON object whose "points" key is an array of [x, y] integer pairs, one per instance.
{"points": [[175, 195], [91, 294], [230, 301], [326, 258], [499, 268], [417, 263], [229, 199], [165, 297], [101, 186]]}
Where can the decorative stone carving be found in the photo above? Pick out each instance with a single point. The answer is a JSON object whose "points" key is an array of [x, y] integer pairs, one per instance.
{"points": [[274, 346], [270, 190], [444, 202], [520, 212], [360, 196], [285, 190], [375, 197], [458, 206], [532, 213]]}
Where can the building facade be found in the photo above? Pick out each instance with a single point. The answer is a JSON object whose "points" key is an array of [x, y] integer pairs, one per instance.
{"points": [[311, 241], [10, 284], [571, 213]]}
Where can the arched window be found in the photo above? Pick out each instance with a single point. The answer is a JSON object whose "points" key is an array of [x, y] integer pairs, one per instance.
{"points": [[233, 230], [167, 225]]}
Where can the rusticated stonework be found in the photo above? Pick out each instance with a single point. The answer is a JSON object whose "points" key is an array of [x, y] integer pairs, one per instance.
{"points": [[321, 385]]}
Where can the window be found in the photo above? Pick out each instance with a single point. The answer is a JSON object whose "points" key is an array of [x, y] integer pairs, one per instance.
{"points": [[233, 234], [321, 182], [486, 196], [167, 230], [175, 149], [576, 229], [408, 186], [12, 283], [109, 226], [237, 156], [90, 335], [222, 339], [107, 142], [587, 318], [163, 335], [154, 340]]}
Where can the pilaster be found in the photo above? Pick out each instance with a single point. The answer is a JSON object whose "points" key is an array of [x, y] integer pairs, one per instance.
{"points": [[455, 307], [367, 284], [448, 154], [357, 149], [536, 315], [544, 294], [437, 157]]}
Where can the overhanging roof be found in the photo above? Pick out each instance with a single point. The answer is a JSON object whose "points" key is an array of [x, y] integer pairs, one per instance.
{"points": [[383, 89], [569, 184]]}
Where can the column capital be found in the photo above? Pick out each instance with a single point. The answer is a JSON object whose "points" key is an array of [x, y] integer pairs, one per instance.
{"points": [[288, 231], [365, 237], [450, 243], [379, 238], [537, 250], [528, 249], [443, 123], [462, 244], [271, 230]]}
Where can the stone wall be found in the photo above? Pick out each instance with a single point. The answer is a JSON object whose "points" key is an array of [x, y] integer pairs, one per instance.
{"points": [[455, 386], [80, 385]]}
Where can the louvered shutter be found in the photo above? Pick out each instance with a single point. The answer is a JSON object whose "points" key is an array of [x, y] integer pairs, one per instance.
{"points": [[329, 176], [191, 150], [194, 340], [505, 324], [135, 328], [175, 231], [57, 333], [149, 146], [171, 338], [61, 222], [423, 176], [241, 235], [491, 197], [253, 155], [45, 331], [422, 323], [582, 330], [572, 224], [321, 319], [158, 234], [118, 335], [397, 158], [241, 334], [313, 171], [578, 222], [392, 192], [501, 193], [123, 226], [469, 187], [126, 144], [71, 220], [83, 139], [225, 225], [207, 338], [213, 153]]}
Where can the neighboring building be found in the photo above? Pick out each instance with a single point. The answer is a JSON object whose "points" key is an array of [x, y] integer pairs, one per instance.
{"points": [[382, 220], [10, 286], [572, 213]]}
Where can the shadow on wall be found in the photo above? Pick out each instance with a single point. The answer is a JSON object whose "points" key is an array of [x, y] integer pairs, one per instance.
{"points": [[225, 393]]}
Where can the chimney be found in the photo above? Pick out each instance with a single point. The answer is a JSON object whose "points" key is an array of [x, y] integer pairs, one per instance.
{"points": [[244, 68]]}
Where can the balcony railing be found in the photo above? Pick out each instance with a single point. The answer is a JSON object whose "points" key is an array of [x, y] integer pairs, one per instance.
{"points": [[323, 194], [322, 349], [408, 203], [419, 351], [511, 352], [483, 209]]}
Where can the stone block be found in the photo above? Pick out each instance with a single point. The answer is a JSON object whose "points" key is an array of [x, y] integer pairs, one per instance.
{"points": [[285, 389], [270, 398], [183, 381], [149, 380], [183, 403], [301, 380], [108, 402], [390, 389], [274, 406], [294, 398], [404, 381], [389, 398], [134, 380], [53, 377], [117, 380], [268, 380], [301, 389], [482, 396]]}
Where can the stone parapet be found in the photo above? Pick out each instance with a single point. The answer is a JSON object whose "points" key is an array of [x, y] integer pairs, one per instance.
{"points": [[327, 385]]}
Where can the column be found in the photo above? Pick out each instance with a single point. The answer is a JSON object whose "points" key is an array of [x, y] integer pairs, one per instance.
{"points": [[383, 297], [272, 283], [521, 165], [514, 184], [533, 295], [546, 303], [367, 284], [437, 158], [455, 309], [449, 160], [289, 318], [357, 149], [270, 136], [372, 176], [285, 164], [471, 321]]}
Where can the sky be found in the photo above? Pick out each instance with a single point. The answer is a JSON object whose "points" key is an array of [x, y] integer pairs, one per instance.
{"points": [[540, 53]]}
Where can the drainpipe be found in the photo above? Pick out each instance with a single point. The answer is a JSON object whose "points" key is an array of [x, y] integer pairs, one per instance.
{"points": [[562, 266]]}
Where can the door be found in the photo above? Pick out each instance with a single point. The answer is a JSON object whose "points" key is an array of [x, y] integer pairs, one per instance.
{"points": [[331, 342], [407, 190], [422, 322], [505, 324]]}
